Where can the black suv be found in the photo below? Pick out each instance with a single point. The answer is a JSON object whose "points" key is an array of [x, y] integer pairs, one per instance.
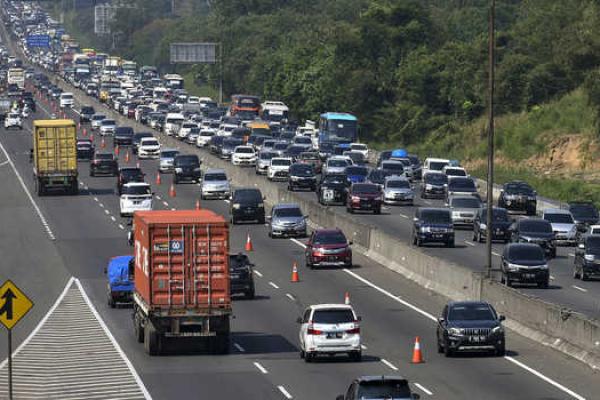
{"points": [[518, 196], [433, 225], [186, 167], [500, 225], [434, 185], [534, 230], [127, 175], [379, 387], [470, 326], [104, 163], [333, 189], [587, 258], [302, 176], [85, 114], [123, 136], [584, 213], [247, 205], [525, 263], [242, 279]]}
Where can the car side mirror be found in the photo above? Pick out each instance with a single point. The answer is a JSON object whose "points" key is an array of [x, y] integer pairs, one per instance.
{"points": [[441, 320], [501, 318], [581, 246], [299, 320]]}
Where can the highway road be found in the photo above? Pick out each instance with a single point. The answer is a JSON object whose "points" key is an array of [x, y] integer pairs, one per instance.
{"points": [[264, 361]]}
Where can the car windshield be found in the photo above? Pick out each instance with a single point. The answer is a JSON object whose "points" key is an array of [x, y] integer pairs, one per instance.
{"points": [[169, 154], [152, 142], [365, 188], [360, 147], [287, 212], [280, 146], [215, 177], [187, 161], [592, 245], [136, 190], [131, 173], [398, 184], [302, 140], [361, 171], [437, 165], [337, 163], [301, 170], [532, 226], [335, 179], [466, 203], [281, 162], [435, 179], [518, 188], [245, 150], [461, 184], [104, 156], [309, 156], [559, 218], [393, 166], [107, 122], [436, 216], [333, 316], [526, 253], [471, 312], [455, 172], [386, 389], [247, 196], [498, 215], [330, 238], [266, 155], [584, 211]]}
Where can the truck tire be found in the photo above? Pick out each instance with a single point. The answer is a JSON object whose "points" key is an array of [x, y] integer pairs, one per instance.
{"points": [[41, 190], [222, 344], [138, 330], [151, 340]]}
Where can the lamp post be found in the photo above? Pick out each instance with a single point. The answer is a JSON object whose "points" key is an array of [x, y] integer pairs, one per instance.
{"points": [[490, 164]]}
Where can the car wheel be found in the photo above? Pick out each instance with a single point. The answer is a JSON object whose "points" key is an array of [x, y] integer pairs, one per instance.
{"points": [[302, 354], [111, 302], [261, 220], [584, 276], [233, 221], [440, 348], [356, 356], [308, 357], [507, 282], [451, 244], [447, 350], [377, 211], [553, 254], [500, 350], [350, 210], [250, 294], [576, 274]]}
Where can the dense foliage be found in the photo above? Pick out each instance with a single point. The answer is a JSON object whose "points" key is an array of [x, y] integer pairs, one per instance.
{"points": [[408, 68]]}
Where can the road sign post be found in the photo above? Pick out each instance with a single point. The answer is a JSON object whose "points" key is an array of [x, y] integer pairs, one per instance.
{"points": [[14, 305]]}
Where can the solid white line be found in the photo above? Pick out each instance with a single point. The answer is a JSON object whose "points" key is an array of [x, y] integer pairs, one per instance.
{"points": [[274, 285], [470, 243], [33, 203], [114, 342], [166, 204], [289, 296], [258, 273], [41, 323], [158, 197], [424, 389], [239, 348], [362, 346], [285, 392], [496, 254], [260, 368], [571, 254], [545, 378], [299, 243], [389, 364], [579, 288], [403, 215]]}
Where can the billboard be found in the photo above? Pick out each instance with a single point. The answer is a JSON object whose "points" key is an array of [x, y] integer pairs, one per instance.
{"points": [[103, 17], [193, 53], [38, 41]]}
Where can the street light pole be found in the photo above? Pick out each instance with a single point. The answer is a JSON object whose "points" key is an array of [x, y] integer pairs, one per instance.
{"points": [[490, 166]]}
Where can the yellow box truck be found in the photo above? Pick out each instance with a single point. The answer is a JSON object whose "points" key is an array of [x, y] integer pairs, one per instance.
{"points": [[55, 156]]}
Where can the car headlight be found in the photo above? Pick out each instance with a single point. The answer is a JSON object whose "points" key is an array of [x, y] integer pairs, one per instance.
{"points": [[179, 170], [428, 187], [425, 229], [197, 169], [482, 226], [236, 206], [498, 329], [455, 214], [589, 257], [543, 266], [513, 267], [294, 178], [261, 205], [455, 331]]}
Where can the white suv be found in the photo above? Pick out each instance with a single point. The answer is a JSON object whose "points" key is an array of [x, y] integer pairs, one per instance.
{"points": [[135, 196], [149, 147], [279, 168], [244, 156], [329, 329], [66, 100], [13, 120]]}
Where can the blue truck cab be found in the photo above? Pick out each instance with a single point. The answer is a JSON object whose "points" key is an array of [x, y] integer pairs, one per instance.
{"points": [[120, 280]]}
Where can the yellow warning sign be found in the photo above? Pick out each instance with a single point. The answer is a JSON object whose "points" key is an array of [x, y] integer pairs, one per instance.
{"points": [[14, 304]]}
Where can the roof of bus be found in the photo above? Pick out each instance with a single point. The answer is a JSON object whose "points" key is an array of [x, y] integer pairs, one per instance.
{"points": [[341, 116]]}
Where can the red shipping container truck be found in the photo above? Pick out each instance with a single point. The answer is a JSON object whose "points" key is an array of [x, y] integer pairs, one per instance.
{"points": [[181, 279]]}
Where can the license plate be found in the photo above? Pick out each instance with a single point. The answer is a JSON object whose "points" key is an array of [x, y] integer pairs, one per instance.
{"points": [[235, 276], [437, 236], [498, 232], [334, 335], [328, 195], [477, 339], [529, 276]]}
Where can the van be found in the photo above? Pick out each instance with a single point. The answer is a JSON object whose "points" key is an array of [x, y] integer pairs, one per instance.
{"points": [[66, 100], [435, 164], [172, 123]]}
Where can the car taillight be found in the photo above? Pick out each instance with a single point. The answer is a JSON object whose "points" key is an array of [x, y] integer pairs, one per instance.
{"points": [[354, 331], [312, 331]]}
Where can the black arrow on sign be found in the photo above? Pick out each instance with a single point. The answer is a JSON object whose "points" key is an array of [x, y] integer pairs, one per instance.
{"points": [[7, 308]]}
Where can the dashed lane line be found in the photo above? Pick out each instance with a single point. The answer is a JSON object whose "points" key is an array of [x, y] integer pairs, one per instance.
{"points": [[424, 389], [106, 212], [579, 288], [258, 273], [113, 218], [299, 243], [274, 285], [239, 348], [71, 354], [470, 243], [260, 368], [121, 227], [284, 392], [389, 364], [289, 296]]}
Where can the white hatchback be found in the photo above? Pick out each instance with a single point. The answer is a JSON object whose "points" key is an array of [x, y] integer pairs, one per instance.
{"points": [[330, 329]]}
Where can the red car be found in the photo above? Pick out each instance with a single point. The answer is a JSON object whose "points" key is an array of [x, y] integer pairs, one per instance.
{"points": [[364, 196], [328, 247]]}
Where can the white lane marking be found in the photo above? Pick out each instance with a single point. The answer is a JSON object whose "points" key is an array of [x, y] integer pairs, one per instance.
{"points": [[545, 378], [166, 204], [101, 205], [496, 254], [299, 243], [470, 243], [113, 218], [363, 347], [3, 163], [173, 209], [424, 389], [114, 342], [33, 203], [389, 364], [258, 273], [274, 285], [158, 197], [289, 296], [80, 183], [551, 277], [261, 368], [239, 348], [227, 201], [426, 202], [579, 288], [121, 227], [106, 212], [41, 323], [571, 254], [95, 199], [285, 392], [403, 215], [431, 317]]}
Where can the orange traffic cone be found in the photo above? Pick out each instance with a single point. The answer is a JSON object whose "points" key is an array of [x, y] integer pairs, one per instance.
{"points": [[172, 192], [198, 205], [84, 132], [249, 246], [295, 277], [417, 357], [127, 156], [347, 298], [79, 125], [117, 150], [92, 137], [103, 143], [158, 180]]}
